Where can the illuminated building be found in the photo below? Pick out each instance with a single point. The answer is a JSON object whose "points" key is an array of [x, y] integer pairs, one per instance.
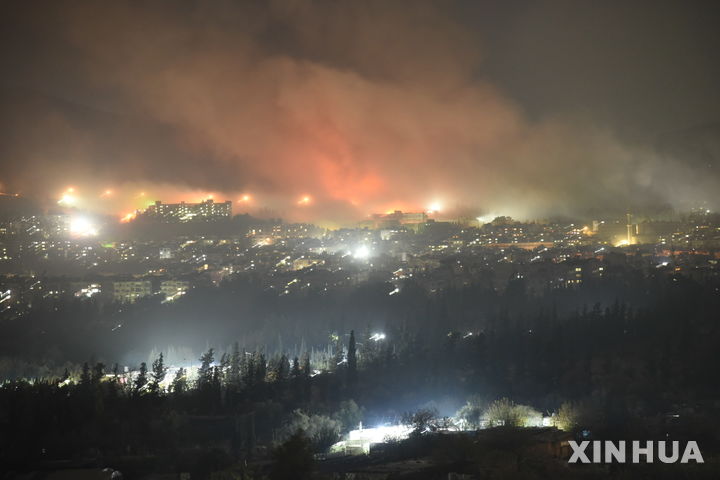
{"points": [[88, 291], [304, 262], [187, 212], [130, 291], [173, 288], [360, 441], [397, 218]]}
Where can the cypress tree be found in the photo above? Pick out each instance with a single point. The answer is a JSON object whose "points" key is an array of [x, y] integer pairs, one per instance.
{"points": [[306, 371], [142, 378], [234, 373], [158, 374], [352, 358], [205, 373], [295, 370], [85, 375], [283, 368], [179, 383], [98, 372]]}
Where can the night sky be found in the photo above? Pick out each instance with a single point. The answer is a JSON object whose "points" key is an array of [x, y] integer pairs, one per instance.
{"points": [[526, 108]]}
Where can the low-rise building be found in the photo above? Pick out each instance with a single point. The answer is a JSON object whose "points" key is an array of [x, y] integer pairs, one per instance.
{"points": [[173, 288], [131, 290]]}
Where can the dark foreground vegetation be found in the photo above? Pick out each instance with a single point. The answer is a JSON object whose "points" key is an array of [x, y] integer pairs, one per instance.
{"points": [[497, 453], [639, 363]]}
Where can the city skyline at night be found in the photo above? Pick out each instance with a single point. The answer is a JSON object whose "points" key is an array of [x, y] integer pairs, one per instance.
{"points": [[359, 239], [363, 109]]}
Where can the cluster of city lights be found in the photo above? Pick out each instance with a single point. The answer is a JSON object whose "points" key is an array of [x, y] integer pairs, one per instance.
{"points": [[82, 227], [69, 198], [362, 252]]}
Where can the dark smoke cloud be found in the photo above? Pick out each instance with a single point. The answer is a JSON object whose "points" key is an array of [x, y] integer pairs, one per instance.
{"points": [[364, 106]]}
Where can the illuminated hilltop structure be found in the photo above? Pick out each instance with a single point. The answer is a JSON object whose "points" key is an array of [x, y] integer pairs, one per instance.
{"points": [[187, 212], [395, 219]]}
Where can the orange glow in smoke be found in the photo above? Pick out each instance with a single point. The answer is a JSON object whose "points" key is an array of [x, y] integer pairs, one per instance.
{"points": [[434, 207], [128, 217], [67, 200]]}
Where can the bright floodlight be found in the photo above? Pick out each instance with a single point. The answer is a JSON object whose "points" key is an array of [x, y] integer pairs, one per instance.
{"points": [[128, 217], [67, 200], [362, 252], [622, 243], [434, 207], [82, 227], [487, 218], [377, 337]]}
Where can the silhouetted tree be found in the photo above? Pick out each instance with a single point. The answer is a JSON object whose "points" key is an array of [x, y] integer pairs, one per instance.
{"points": [[142, 378], [224, 369], [85, 378], [205, 372], [250, 372], [260, 368], [179, 383], [159, 370], [293, 460], [283, 368], [98, 372], [349, 415], [419, 420], [295, 370], [306, 369], [235, 368], [472, 412]]}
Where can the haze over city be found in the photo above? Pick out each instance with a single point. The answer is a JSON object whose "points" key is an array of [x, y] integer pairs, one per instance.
{"points": [[524, 108], [359, 239]]}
